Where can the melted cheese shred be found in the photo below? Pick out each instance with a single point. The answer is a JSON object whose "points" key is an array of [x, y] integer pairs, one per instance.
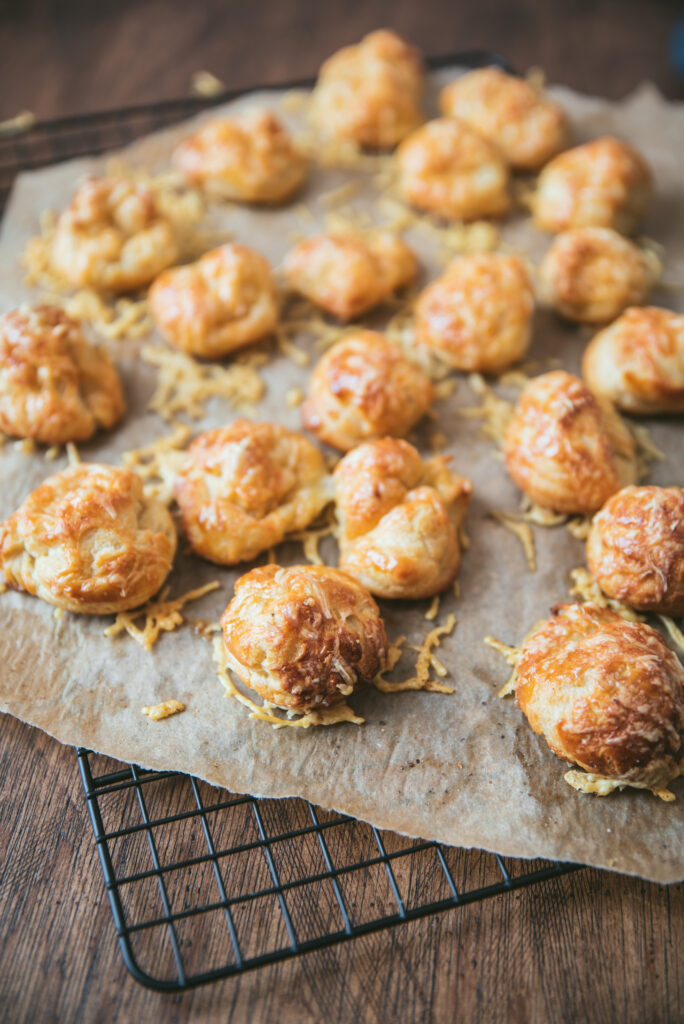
{"points": [[585, 588], [425, 662], [587, 782], [156, 712], [510, 656], [494, 411], [185, 385], [674, 631], [522, 530], [161, 616], [158, 463], [268, 712]]}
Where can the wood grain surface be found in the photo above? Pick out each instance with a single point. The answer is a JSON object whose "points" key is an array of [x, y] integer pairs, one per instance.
{"points": [[591, 946]]}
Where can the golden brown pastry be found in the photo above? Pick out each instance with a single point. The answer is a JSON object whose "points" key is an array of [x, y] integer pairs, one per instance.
{"points": [[526, 125], [446, 168], [348, 274], [478, 314], [605, 183], [635, 549], [88, 540], [399, 519], [226, 300], [303, 637], [55, 385], [112, 237], [606, 694], [246, 486], [592, 274], [566, 451], [248, 158], [370, 93], [638, 362], [363, 388]]}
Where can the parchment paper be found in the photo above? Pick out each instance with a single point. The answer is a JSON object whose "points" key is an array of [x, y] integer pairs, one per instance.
{"points": [[464, 769]]}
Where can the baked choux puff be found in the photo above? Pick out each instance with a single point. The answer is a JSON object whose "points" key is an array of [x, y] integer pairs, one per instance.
{"points": [[303, 637], [346, 274], [248, 158], [565, 450], [112, 237], [606, 694], [591, 275], [88, 540], [370, 93], [224, 301], [446, 168], [638, 362], [478, 315], [635, 549], [526, 125], [55, 384], [399, 519], [605, 184], [363, 388], [244, 487]]}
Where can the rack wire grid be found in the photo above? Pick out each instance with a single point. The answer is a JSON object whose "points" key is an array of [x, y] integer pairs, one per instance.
{"points": [[204, 884]]}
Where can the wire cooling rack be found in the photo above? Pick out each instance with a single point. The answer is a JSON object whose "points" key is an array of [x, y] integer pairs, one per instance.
{"points": [[204, 884]]}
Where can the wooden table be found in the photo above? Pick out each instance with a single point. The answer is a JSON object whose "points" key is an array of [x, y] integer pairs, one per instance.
{"points": [[588, 947]]}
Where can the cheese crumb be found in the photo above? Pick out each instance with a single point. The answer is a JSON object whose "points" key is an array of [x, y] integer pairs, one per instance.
{"points": [[585, 588], [496, 412], [206, 85], [185, 386], [159, 462], [164, 710], [161, 616], [425, 661]]}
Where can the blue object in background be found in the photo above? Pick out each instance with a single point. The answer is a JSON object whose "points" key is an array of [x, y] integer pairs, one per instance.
{"points": [[677, 47]]}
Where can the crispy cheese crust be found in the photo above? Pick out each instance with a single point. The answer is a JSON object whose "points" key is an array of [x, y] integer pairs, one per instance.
{"points": [[224, 301], [565, 450], [247, 158], [347, 274], [635, 549], [605, 183], [246, 486], [112, 237], [592, 274], [399, 519], [527, 126], [606, 694], [638, 361], [478, 314], [89, 541], [363, 388], [303, 637], [370, 93], [447, 169], [55, 385]]}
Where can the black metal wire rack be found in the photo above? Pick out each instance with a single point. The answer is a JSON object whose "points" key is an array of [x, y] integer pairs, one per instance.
{"points": [[204, 884]]}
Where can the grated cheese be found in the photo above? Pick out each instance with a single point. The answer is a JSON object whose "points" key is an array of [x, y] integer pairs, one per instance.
{"points": [[587, 782], [294, 397], [496, 412], [73, 456], [510, 656], [267, 711], [425, 661], [585, 588], [206, 84], [156, 712], [646, 451], [26, 446], [206, 629], [313, 534], [161, 616], [159, 462], [291, 351], [433, 611], [673, 629], [21, 122], [522, 530], [185, 385], [579, 527]]}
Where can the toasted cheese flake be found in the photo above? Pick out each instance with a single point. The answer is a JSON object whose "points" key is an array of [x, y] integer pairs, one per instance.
{"points": [[585, 588], [206, 629], [587, 782], [267, 712], [510, 656], [159, 462], [52, 453], [161, 616], [673, 629], [313, 534], [294, 397], [185, 386], [291, 351], [496, 412], [523, 531], [424, 662], [579, 527], [433, 611], [73, 455], [206, 84], [26, 446], [164, 710], [21, 122], [445, 388]]}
